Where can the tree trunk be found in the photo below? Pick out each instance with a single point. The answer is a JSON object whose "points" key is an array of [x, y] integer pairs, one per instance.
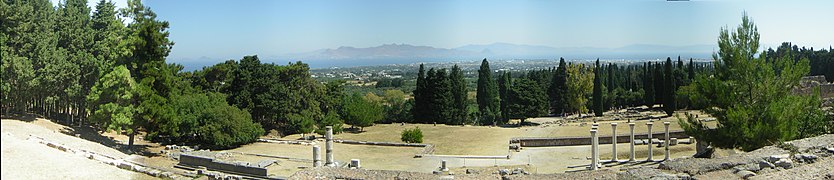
{"points": [[130, 142]]}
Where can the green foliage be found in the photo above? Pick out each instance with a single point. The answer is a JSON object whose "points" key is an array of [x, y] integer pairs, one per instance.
{"points": [[487, 95], [751, 97], [598, 99], [669, 104], [527, 100], [421, 103], [504, 85], [206, 119], [579, 85], [397, 108], [412, 135], [558, 90], [227, 127], [330, 119], [303, 122], [273, 93], [112, 101], [648, 85], [458, 112], [358, 111]]}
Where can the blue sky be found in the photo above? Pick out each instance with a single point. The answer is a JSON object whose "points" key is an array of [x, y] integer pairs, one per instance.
{"points": [[231, 29]]}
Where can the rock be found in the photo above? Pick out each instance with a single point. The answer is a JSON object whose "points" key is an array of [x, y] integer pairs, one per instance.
{"points": [[830, 150], [806, 158], [519, 171], [125, 166], [683, 176], [503, 172], [774, 158], [745, 174], [471, 171], [784, 163], [750, 167], [764, 164]]}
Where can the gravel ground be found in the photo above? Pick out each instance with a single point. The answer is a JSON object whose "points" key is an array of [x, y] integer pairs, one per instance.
{"points": [[822, 169], [25, 159]]}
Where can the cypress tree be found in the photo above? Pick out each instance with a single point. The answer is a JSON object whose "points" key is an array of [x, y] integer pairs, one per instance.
{"points": [[458, 85], [440, 96], [659, 86], [597, 90], [691, 70], [504, 84], [487, 94], [419, 112], [669, 91], [648, 84], [558, 87], [611, 79]]}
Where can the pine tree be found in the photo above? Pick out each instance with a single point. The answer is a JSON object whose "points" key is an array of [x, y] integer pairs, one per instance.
{"points": [[753, 103], [526, 100], [598, 109]]}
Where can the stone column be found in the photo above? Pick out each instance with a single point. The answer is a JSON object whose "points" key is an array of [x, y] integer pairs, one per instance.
{"points": [[649, 124], [595, 126], [443, 166], [316, 156], [594, 153], [329, 147], [666, 142], [631, 142], [613, 142]]}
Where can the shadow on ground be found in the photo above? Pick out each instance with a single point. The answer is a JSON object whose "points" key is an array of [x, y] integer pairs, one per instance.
{"points": [[90, 134]]}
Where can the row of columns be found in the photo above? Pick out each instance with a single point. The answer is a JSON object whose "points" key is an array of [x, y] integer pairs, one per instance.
{"points": [[595, 162]]}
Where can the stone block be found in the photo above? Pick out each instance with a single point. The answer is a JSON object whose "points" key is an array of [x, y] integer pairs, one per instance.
{"points": [[774, 158], [784, 163], [744, 174], [806, 158], [764, 164]]}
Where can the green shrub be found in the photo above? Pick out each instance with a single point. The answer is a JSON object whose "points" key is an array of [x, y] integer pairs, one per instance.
{"points": [[412, 135]]}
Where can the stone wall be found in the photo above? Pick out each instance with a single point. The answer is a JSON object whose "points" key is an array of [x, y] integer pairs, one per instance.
{"points": [[211, 164], [586, 140]]}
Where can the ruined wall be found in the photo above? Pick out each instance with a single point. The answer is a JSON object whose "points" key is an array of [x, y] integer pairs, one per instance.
{"points": [[211, 164]]}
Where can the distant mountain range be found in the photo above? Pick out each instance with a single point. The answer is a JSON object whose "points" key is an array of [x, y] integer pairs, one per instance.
{"points": [[346, 56], [405, 53]]}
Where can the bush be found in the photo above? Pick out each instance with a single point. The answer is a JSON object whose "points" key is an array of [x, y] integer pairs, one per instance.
{"points": [[412, 135], [206, 119]]}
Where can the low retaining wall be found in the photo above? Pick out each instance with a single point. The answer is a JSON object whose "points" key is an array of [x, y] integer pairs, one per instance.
{"points": [[120, 163], [211, 164], [586, 140], [380, 143]]}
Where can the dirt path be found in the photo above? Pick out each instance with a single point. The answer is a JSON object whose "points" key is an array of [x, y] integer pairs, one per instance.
{"points": [[25, 159]]}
